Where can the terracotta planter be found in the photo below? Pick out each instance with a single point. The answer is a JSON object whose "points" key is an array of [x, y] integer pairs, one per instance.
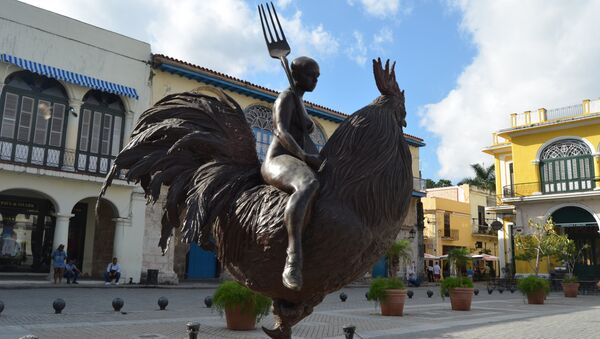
{"points": [[238, 320], [570, 289], [460, 298], [394, 303], [536, 298]]}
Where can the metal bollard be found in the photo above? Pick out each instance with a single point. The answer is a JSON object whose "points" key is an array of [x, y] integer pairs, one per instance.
{"points": [[193, 329], [349, 331], [29, 336]]}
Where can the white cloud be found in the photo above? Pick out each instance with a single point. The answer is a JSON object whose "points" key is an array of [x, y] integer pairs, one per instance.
{"points": [[283, 3], [222, 35], [530, 54], [384, 8], [357, 51], [381, 39]]}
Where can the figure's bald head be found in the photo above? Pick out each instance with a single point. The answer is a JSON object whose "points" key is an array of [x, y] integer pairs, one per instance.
{"points": [[305, 72], [302, 63]]}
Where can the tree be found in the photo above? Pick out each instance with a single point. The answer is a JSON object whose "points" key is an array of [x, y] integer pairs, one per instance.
{"points": [[459, 257], [569, 255], [542, 241], [485, 178], [399, 253], [440, 183]]}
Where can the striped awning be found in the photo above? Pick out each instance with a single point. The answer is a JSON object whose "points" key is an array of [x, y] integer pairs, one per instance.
{"points": [[75, 78]]}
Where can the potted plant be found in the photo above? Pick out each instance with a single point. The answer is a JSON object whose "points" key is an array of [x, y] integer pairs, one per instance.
{"points": [[243, 307], [569, 255], [390, 294], [570, 285], [535, 288], [459, 288]]}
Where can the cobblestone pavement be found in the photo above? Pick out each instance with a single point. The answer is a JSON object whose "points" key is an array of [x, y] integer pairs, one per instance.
{"points": [[88, 314]]}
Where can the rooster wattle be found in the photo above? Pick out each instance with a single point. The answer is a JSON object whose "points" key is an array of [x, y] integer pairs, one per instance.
{"points": [[204, 150]]}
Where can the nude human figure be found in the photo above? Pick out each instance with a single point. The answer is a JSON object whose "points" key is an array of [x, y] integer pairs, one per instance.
{"points": [[289, 167]]}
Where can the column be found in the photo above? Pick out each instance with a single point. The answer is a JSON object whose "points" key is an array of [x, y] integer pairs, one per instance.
{"points": [[119, 246], [71, 134], [61, 231], [129, 115], [596, 164]]}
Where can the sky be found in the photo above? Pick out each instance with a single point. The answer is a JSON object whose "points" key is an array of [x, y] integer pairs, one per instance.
{"points": [[465, 65]]}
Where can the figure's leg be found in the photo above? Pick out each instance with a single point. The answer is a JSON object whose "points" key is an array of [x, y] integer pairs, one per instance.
{"points": [[296, 216], [286, 315]]}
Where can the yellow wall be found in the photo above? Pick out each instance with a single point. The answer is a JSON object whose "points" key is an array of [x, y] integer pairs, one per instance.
{"points": [[526, 147]]}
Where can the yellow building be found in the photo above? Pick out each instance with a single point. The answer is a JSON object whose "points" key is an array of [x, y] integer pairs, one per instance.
{"points": [[547, 165], [455, 217], [170, 76]]}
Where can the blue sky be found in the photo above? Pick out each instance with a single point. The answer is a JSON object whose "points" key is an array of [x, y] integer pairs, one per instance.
{"points": [[465, 64]]}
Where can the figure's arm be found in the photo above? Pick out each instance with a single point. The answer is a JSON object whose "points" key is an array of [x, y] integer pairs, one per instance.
{"points": [[283, 109]]}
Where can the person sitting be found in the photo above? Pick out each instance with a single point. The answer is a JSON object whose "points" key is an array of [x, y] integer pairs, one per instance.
{"points": [[113, 271], [72, 272], [413, 280]]}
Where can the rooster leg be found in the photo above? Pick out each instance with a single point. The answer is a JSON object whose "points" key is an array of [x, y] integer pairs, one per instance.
{"points": [[286, 315]]}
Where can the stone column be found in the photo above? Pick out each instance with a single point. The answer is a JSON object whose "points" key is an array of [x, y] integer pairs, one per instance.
{"points": [[118, 243], [61, 231]]}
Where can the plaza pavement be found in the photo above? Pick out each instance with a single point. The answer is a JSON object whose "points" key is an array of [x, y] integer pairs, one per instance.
{"points": [[88, 314]]}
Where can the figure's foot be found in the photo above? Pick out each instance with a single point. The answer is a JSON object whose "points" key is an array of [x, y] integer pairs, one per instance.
{"points": [[292, 272], [278, 332]]}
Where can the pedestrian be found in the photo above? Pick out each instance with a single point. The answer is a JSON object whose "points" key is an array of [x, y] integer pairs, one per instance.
{"points": [[58, 261], [436, 272], [72, 272], [113, 272], [430, 272]]}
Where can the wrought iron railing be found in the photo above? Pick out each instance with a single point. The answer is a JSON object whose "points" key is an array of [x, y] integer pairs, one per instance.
{"points": [[419, 184], [452, 235], [55, 158], [535, 188]]}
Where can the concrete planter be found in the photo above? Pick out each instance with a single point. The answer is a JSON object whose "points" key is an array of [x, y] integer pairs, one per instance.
{"points": [[536, 297], [238, 320], [570, 289]]}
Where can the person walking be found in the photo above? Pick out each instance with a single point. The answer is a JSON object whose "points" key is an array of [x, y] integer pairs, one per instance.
{"points": [[430, 273], [58, 261], [436, 272]]}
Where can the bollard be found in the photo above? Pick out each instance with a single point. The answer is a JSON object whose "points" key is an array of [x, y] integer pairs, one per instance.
{"points": [[476, 291], [410, 294], [490, 290], [367, 296], [193, 329], [117, 304], [58, 305], [349, 331], [429, 293], [1, 306], [29, 336], [208, 302], [343, 296], [162, 303]]}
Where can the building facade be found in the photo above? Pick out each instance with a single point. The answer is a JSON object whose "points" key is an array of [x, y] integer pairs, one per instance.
{"points": [[455, 217], [547, 166], [69, 94]]}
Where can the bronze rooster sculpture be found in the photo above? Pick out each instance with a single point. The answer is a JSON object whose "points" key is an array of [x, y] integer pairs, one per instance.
{"points": [[204, 150]]}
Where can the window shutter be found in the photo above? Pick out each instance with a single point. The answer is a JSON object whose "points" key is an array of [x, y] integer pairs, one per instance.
{"points": [[25, 119], [41, 124], [96, 132], [9, 117], [106, 129], [85, 130], [116, 139], [56, 130]]}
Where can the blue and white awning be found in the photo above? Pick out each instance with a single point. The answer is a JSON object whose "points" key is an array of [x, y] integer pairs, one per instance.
{"points": [[75, 78]]}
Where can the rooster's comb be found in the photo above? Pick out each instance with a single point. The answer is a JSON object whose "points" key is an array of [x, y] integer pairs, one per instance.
{"points": [[386, 78]]}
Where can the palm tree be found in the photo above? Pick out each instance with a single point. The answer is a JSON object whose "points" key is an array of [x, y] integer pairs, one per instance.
{"points": [[485, 178], [399, 253]]}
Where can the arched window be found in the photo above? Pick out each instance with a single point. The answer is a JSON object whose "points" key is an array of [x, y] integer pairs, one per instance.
{"points": [[100, 131], [33, 120], [318, 137], [566, 166], [260, 119]]}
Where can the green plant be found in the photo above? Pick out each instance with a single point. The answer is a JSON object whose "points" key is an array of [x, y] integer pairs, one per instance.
{"points": [[454, 282], [232, 294], [532, 284], [399, 253], [570, 279], [380, 285], [540, 241]]}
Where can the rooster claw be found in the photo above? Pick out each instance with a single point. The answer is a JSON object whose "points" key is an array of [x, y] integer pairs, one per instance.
{"points": [[277, 333]]}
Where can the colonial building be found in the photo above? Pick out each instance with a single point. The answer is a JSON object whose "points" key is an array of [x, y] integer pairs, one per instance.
{"points": [[170, 75], [547, 166], [70, 93], [455, 217]]}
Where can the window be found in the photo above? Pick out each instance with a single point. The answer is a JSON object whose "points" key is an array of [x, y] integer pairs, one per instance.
{"points": [[566, 166], [100, 131], [447, 224], [481, 215], [318, 137]]}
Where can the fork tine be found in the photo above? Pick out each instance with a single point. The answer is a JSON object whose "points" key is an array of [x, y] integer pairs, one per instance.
{"points": [[278, 23], [273, 21], [262, 23], [266, 24]]}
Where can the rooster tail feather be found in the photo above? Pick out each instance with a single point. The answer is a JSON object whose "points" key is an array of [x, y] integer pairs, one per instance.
{"points": [[202, 148]]}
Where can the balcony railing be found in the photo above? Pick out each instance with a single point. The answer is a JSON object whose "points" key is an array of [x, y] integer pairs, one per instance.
{"points": [[542, 115], [55, 158], [419, 184], [535, 188], [452, 235]]}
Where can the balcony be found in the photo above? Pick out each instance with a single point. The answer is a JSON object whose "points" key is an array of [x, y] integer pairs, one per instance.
{"points": [[419, 184], [542, 115], [54, 158], [557, 187], [452, 235], [481, 227]]}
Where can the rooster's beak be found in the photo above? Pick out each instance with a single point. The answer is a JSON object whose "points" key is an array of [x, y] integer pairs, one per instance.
{"points": [[404, 123]]}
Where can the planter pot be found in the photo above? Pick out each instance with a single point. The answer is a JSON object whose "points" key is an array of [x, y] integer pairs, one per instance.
{"points": [[394, 303], [238, 320], [570, 289], [536, 297], [460, 298]]}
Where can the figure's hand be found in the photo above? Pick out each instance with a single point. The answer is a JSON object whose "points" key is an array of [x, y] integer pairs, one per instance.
{"points": [[314, 161]]}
